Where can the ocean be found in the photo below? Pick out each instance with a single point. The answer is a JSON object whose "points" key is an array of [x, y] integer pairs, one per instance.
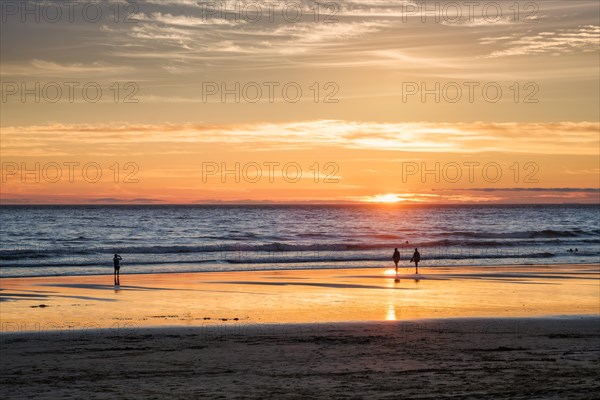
{"points": [[81, 240]]}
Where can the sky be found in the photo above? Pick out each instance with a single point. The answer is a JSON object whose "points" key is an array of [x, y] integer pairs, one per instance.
{"points": [[164, 101]]}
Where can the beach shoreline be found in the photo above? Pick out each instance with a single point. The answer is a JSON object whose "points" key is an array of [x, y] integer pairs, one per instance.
{"points": [[468, 333], [401, 267]]}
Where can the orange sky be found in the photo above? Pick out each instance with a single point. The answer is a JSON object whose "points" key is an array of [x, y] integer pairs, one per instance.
{"points": [[380, 102]]}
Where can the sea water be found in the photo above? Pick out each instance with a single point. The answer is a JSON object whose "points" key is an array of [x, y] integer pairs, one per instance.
{"points": [[80, 240]]}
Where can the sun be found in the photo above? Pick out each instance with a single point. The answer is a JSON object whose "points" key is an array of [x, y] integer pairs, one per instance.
{"points": [[385, 198]]}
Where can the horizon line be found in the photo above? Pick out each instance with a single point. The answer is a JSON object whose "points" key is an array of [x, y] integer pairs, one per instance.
{"points": [[297, 203]]}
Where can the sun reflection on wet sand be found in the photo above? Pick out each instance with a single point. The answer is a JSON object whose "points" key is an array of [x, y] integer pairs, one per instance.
{"points": [[301, 296], [391, 313]]}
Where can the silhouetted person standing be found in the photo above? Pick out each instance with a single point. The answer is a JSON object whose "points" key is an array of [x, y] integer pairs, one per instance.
{"points": [[396, 258], [416, 258], [116, 262]]}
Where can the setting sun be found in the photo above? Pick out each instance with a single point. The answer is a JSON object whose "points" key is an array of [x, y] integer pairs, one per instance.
{"points": [[385, 198]]}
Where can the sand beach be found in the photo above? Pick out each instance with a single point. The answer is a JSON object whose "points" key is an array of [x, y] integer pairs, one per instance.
{"points": [[493, 332]]}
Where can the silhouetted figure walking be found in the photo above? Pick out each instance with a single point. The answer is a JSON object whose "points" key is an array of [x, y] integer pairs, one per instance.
{"points": [[396, 258], [416, 258], [116, 262]]}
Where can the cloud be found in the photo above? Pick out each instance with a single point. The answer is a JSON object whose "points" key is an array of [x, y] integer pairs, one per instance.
{"points": [[188, 20], [585, 39], [528, 189], [53, 198], [199, 37], [182, 38], [115, 200], [48, 69], [425, 198], [479, 21], [524, 195], [574, 138]]}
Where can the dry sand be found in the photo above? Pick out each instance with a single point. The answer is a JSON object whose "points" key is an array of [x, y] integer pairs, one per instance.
{"points": [[471, 333]]}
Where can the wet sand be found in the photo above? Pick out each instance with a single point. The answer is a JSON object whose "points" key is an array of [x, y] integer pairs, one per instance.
{"points": [[299, 296], [467, 333]]}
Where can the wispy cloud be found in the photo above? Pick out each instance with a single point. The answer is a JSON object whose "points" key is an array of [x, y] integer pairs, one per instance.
{"points": [[183, 38], [522, 189], [575, 138], [582, 39], [36, 69]]}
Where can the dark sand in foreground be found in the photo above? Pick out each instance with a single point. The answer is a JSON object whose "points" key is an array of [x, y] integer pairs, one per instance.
{"points": [[522, 358]]}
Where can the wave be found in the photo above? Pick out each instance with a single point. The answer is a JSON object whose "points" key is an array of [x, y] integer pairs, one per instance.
{"points": [[275, 247], [542, 234], [324, 258]]}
